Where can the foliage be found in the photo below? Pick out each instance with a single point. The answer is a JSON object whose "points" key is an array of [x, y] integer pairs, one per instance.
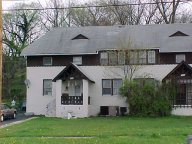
{"points": [[19, 30], [147, 98], [101, 130]]}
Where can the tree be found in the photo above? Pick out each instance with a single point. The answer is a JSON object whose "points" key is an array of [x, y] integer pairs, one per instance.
{"points": [[19, 29], [90, 16], [168, 10], [55, 16]]}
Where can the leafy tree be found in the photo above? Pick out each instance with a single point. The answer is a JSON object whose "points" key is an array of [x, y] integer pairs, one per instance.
{"points": [[19, 29]]}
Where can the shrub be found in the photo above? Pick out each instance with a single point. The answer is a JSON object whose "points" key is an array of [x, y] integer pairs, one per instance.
{"points": [[148, 99]]}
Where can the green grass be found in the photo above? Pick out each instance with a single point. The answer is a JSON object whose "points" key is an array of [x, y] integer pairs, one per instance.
{"points": [[101, 130]]}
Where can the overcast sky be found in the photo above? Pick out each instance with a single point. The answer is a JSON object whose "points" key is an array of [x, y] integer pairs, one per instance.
{"points": [[8, 3]]}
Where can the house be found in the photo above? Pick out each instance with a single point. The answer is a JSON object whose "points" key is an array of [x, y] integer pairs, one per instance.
{"points": [[79, 70]]}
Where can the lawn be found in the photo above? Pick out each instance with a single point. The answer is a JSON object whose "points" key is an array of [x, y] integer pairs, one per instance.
{"points": [[101, 130]]}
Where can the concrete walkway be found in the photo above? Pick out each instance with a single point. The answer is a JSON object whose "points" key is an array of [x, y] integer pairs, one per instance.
{"points": [[17, 122]]}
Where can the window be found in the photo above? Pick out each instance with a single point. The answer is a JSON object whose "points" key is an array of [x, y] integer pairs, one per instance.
{"points": [[142, 81], [111, 86], [47, 61], [180, 58], [184, 92], [104, 58], [75, 88], [77, 60], [47, 87], [112, 58], [107, 87], [142, 57], [151, 57], [121, 58], [132, 56], [189, 94], [116, 85]]}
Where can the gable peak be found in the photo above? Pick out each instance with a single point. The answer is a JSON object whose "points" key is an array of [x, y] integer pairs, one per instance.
{"points": [[178, 33], [79, 36]]}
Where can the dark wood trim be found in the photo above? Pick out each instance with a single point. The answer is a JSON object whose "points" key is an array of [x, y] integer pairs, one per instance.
{"points": [[71, 71], [94, 59], [59, 60], [181, 68]]}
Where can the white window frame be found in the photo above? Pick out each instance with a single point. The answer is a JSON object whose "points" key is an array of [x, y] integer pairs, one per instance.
{"points": [[104, 58], [112, 58], [133, 57], [106, 87], [47, 61], [112, 86], [179, 58], [47, 88], [142, 57], [116, 85], [121, 57], [77, 60], [151, 57]]}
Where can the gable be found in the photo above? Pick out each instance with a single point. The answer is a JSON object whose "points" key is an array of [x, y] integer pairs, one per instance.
{"points": [[178, 33], [80, 36], [71, 72], [181, 71]]}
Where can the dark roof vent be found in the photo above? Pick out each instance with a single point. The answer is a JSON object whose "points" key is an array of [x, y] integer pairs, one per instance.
{"points": [[178, 33], [80, 36]]}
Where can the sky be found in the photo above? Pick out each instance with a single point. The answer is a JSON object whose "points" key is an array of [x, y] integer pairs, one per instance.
{"points": [[8, 3]]}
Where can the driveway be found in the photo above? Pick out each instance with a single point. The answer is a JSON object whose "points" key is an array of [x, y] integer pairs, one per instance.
{"points": [[20, 116]]}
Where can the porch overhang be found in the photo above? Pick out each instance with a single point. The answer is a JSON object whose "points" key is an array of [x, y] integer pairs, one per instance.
{"points": [[181, 71], [72, 71]]}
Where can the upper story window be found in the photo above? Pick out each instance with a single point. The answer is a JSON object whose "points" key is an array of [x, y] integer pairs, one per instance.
{"points": [[132, 56], [121, 57], [111, 86], [128, 57], [47, 87], [47, 61], [142, 57], [180, 58], [151, 57], [104, 58], [112, 58], [77, 60]]}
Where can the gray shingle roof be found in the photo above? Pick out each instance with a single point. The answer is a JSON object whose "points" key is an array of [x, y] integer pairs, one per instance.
{"points": [[59, 41]]}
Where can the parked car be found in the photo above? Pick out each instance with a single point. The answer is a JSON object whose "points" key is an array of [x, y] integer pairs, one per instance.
{"points": [[7, 112]]}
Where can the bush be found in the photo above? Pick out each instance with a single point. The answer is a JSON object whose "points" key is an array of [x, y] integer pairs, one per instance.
{"points": [[148, 99]]}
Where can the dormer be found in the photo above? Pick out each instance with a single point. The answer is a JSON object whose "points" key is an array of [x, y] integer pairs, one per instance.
{"points": [[80, 36], [178, 33]]}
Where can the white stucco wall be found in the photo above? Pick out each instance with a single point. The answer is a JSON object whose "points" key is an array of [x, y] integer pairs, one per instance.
{"points": [[182, 111], [75, 110], [36, 102], [95, 90]]}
